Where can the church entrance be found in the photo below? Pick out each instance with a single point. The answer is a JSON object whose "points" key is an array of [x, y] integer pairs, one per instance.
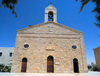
{"points": [[50, 64], [24, 65], [75, 65]]}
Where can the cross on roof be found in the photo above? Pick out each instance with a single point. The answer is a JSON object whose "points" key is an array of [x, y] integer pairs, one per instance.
{"points": [[50, 2]]}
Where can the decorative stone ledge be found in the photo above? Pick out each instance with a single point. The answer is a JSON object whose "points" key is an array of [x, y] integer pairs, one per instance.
{"points": [[50, 48]]}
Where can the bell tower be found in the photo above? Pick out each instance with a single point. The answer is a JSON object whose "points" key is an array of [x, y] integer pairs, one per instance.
{"points": [[50, 13]]}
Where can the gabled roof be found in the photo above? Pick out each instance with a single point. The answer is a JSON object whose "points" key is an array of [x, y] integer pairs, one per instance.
{"points": [[50, 7], [96, 48], [30, 26]]}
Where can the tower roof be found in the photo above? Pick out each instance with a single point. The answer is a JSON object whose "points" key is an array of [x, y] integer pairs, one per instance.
{"points": [[50, 7]]}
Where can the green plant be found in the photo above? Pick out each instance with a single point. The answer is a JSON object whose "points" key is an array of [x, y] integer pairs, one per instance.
{"points": [[1, 67], [89, 67], [95, 68], [5, 68]]}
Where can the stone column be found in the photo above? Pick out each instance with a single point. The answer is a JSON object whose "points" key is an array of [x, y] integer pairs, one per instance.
{"points": [[55, 17], [46, 17], [84, 60]]}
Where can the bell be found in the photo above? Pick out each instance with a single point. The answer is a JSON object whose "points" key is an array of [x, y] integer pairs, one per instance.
{"points": [[50, 17]]}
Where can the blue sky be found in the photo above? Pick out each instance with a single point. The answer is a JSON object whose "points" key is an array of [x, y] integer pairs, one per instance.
{"points": [[31, 12]]}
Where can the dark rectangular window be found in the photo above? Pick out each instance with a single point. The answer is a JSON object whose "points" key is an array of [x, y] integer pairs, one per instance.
{"points": [[0, 53], [10, 54]]}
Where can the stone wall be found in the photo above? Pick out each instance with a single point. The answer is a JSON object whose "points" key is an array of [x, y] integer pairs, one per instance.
{"points": [[97, 57]]}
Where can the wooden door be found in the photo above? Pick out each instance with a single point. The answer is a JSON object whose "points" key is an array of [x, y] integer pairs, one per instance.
{"points": [[50, 66], [24, 65]]}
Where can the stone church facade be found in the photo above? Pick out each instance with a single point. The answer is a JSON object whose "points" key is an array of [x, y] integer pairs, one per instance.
{"points": [[49, 47]]}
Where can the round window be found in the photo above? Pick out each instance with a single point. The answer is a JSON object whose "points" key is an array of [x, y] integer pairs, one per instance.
{"points": [[74, 47], [26, 46]]}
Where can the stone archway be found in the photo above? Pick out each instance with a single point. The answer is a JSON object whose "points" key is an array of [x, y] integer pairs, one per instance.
{"points": [[75, 65], [50, 64], [50, 16], [24, 65]]}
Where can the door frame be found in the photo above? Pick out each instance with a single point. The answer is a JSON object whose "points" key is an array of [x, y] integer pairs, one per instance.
{"points": [[24, 61], [52, 64]]}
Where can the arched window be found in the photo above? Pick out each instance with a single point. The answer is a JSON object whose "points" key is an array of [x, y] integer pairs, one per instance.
{"points": [[50, 64], [24, 65], [50, 16], [75, 65]]}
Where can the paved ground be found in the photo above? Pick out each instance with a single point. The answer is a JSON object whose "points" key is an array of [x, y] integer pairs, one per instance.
{"points": [[51, 74]]}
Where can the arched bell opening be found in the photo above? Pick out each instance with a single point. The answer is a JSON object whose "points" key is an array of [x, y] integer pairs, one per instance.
{"points": [[50, 64], [24, 65], [50, 16], [75, 65]]}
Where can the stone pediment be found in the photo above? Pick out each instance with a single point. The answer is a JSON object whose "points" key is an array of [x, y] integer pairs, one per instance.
{"points": [[50, 7], [49, 28]]}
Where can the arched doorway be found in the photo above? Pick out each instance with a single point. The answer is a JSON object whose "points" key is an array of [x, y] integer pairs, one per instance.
{"points": [[75, 65], [50, 64], [24, 65], [50, 16]]}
